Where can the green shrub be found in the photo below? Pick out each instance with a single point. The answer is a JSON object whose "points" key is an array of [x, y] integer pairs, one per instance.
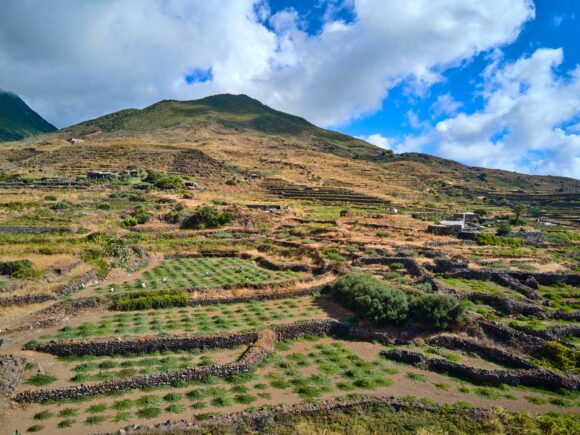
{"points": [[141, 215], [130, 221], [437, 311], [493, 240], [146, 300], [169, 182], [557, 237], [371, 298], [19, 269], [207, 217], [41, 379], [558, 356], [503, 230]]}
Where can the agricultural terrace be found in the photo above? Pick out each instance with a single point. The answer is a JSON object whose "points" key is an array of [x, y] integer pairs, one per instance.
{"points": [[202, 273], [125, 316]]}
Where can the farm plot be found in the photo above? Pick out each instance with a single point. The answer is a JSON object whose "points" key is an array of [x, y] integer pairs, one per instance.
{"points": [[55, 372], [200, 320], [475, 285], [307, 370], [202, 273]]}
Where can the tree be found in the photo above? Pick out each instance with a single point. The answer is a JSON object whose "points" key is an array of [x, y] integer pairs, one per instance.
{"points": [[372, 299], [518, 210], [503, 230], [207, 217], [437, 311]]}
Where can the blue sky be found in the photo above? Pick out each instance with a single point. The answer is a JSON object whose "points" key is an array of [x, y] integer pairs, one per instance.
{"points": [[492, 83], [556, 25]]}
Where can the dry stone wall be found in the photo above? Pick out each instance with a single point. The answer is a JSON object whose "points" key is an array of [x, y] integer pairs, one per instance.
{"points": [[538, 377], [410, 265], [26, 299], [264, 344], [492, 353]]}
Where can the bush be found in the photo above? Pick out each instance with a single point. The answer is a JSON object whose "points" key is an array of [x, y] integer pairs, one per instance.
{"points": [[130, 221], [207, 217], [19, 269], [437, 311], [140, 214], [503, 230], [146, 300], [169, 182], [558, 356], [557, 237], [371, 298], [61, 206], [490, 239]]}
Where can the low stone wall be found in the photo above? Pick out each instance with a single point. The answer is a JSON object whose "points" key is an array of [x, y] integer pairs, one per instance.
{"points": [[11, 369], [509, 336], [32, 230], [79, 283], [529, 237], [255, 419], [510, 306], [553, 334], [295, 267], [145, 344], [26, 299], [572, 279], [495, 354], [444, 230], [537, 377], [500, 277], [410, 265], [55, 313], [264, 344]]}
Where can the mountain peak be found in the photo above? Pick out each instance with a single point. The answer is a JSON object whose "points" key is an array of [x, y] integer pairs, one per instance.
{"points": [[17, 120]]}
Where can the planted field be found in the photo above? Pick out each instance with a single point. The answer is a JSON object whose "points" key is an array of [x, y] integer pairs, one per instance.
{"points": [[305, 370], [202, 273], [199, 320]]}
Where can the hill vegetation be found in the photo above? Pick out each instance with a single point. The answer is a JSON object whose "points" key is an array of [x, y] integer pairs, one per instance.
{"points": [[17, 120]]}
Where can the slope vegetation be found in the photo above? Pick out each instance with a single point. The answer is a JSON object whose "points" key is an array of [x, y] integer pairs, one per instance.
{"points": [[17, 120]]}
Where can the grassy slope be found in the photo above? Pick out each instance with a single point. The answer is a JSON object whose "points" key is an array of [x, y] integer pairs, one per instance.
{"points": [[17, 120]]}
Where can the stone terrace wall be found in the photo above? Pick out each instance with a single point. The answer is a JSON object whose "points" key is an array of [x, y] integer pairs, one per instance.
{"points": [[500, 277], [256, 418], [33, 230], [26, 299], [410, 265], [494, 353], [541, 378], [248, 361], [145, 344], [511, 306]]}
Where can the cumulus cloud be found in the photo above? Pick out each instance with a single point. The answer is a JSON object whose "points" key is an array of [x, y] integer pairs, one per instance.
{"points": [[445, 105], [73, 60], [378, 140], [522, 124]]}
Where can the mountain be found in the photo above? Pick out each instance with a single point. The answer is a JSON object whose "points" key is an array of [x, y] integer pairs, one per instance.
{"points": [[228, 137], [233, 112], [17, 120]]}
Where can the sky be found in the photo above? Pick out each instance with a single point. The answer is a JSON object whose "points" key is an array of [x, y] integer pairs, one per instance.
{"points": [[492, 83]]}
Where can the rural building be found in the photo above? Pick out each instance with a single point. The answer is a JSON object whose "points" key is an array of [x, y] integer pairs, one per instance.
{"points": [[265, 207], [101, 175]]}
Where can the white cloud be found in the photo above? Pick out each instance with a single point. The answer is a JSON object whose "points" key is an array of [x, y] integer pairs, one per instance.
{"points": [[445, 105], [73, 60], [378, 140], [520, 125]]}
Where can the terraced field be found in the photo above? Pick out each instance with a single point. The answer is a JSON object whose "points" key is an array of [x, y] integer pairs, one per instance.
{"points": [[201, 273]]}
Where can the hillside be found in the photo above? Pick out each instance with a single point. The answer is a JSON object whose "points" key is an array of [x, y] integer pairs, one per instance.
{"points": [[17, 120], [227, 137], [234, 112]]}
